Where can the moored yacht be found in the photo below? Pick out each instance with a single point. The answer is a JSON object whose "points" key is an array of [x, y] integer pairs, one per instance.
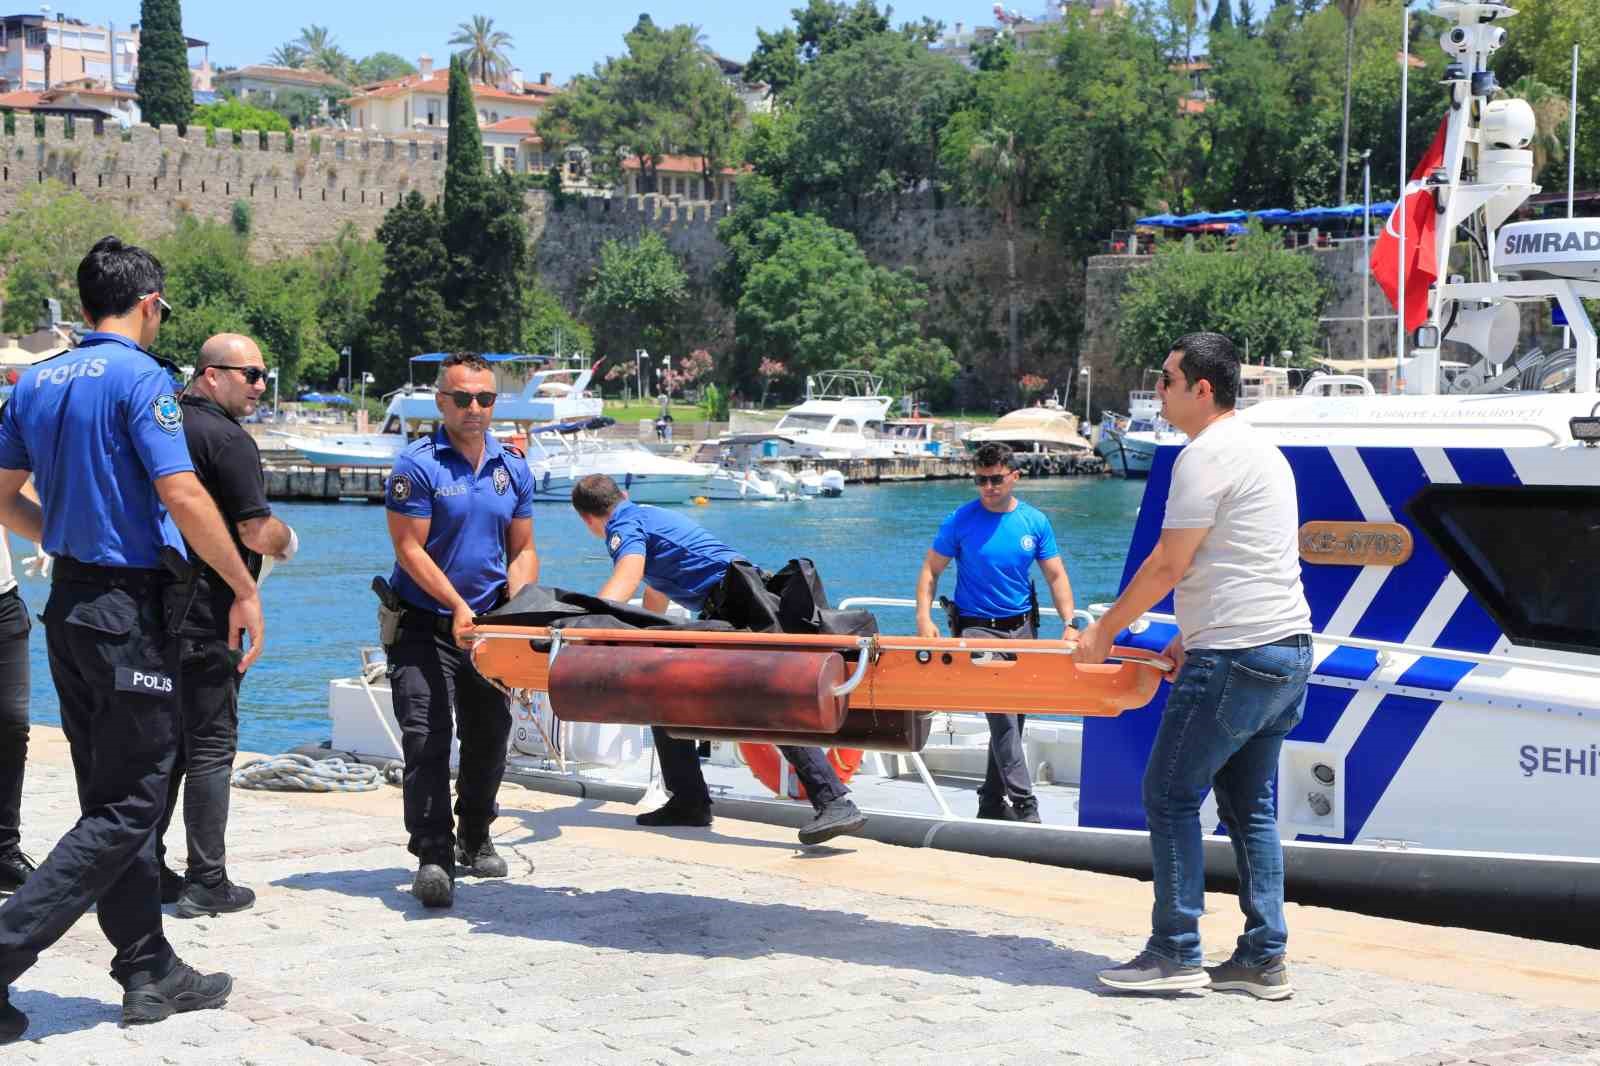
{"points": [[842, 417]]}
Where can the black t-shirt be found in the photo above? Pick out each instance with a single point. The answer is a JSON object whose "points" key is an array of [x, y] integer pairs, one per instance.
{"points": [[228, 464]]}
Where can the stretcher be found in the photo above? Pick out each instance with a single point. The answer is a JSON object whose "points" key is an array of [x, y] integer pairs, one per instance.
{"points": [[875, 692]]}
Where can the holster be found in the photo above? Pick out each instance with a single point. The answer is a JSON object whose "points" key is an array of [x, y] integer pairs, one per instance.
{"points": [[389, 612], [1033, 608], [951, 615], [178, 597]]}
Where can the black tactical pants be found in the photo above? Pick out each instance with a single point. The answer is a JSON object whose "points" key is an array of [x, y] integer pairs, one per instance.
{"points": [[431, 680], [210, 742], [14, 676], [681, 773], [115, 671]]}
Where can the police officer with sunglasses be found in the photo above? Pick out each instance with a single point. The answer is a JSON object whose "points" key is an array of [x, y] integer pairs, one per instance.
{"points": [[102, 434], [228, 381], [995, 540], [460, 509]]}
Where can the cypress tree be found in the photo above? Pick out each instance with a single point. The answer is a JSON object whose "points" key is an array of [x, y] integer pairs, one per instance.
{"points": [[1221, 16], [166, 95], [483, 232]]}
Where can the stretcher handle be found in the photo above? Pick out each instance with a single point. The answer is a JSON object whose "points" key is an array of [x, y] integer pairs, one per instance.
{"points": [[817, 641]]}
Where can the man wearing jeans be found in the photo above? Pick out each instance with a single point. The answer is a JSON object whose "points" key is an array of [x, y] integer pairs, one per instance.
{"points": [[1229, 551]]}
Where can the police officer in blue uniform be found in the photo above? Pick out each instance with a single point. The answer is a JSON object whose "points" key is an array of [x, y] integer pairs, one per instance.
{"points": [[680, 562], [460, 509], [995, 540], [102, 434]]}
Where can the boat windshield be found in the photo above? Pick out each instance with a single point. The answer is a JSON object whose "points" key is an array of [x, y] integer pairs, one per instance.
{"points": [[795, 420]]}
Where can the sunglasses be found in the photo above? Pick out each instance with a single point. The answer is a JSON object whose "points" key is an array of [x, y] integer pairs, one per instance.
{"points": [[990, 479], [252, 374], [166, 308], [463, 400]]}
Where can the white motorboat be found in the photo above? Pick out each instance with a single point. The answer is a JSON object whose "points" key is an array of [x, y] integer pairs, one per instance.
{"points": [[733, 473], [842, 417], [550, 395], [560, 454]]}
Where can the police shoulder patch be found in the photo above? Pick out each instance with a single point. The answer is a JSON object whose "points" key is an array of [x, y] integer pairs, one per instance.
{"points": [[616, 541], [168, 415], [399, 488]]}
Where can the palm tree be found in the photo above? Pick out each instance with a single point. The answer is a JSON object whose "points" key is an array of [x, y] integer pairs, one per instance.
{"points": [[485, 49], [1349, 9], [288, 55], [321, 53]]}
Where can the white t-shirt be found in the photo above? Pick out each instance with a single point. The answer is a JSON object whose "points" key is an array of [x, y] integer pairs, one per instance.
{"points": [[1243, 588]]}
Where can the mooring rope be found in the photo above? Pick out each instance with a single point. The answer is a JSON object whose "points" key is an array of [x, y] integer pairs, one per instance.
{"points": [[301, 773]]}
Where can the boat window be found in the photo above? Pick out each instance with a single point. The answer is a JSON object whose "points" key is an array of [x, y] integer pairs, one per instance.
{"points": [[1527, 553], [873, 429], [392, 424], [796, 420], [1140, 426]]}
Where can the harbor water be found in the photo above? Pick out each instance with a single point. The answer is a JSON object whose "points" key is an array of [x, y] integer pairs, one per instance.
{"points": [[869, 542]]}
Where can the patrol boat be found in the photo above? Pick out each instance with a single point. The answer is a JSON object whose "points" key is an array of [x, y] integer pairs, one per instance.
{"points": [[1448, 762], [550, 395]]}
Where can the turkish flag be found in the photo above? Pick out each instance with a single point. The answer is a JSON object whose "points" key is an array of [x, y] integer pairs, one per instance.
{"points": [[1417, 257]]}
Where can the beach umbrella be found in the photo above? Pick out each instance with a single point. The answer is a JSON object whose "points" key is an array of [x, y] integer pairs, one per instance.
{"points": [[1272, 216], [1162, 219]]}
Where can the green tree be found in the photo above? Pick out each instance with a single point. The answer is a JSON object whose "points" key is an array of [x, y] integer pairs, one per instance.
{"points": [[822, 26], [409, 315], [1349, 10], [1260, 293], [382, 66], [665, 96], [547, 327], [813, 302], [1539, 44], [483, 231], [41, 241], [237, 115], [636, 295], [166, 94], [1222, 15], [349, 276], [288, 55], [485, 51], [863, 124]]}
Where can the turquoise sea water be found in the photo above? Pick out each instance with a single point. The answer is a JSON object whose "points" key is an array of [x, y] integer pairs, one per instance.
{"points": [[869, 542]]}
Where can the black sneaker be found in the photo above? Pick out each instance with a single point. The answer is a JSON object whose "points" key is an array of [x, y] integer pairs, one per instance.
{"points": [[13, 1023], [835, 820], [199, 901], [1149, 972], [996, 810], [435, 884], [1027, 810], [14, 869], [1270, 980], [183, 989], [172, 885], [674, 813], [480, 860]]}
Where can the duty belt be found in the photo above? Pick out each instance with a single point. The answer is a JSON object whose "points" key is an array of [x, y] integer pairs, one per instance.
{"points": [[441, 624], [123, 577], [1010, 621]]}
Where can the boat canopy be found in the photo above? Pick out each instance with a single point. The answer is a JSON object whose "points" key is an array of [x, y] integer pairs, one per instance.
{"points": [[577, 425], [1272, 216], [488, 357]]}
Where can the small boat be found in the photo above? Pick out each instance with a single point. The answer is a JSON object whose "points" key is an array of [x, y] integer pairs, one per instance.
{"points": [[1046, 428], [733, 473], [561, 453], [842, 417]]}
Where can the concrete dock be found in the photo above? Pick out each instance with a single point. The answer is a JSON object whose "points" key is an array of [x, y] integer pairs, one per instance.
{"points": [[613, 944]]}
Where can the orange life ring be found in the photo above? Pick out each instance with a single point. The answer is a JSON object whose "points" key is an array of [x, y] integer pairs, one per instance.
{"points": [[764, 760]]}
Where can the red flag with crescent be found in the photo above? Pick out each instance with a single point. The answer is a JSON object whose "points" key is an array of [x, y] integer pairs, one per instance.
{"points": [[1417, 257]]}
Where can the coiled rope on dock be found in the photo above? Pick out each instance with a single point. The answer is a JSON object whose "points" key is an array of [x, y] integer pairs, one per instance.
{"points": [[301, 773]]}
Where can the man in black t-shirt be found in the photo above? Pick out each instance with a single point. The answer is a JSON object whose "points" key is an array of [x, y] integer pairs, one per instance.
{"points": [[228, 382]]}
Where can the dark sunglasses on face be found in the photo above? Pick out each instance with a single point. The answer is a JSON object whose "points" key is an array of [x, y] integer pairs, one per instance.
{"points": [[166, 308], [463, 400], [251, 374], [990, 479]]}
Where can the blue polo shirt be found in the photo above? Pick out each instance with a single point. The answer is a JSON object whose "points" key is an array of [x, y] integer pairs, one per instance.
{"points": [[97, 426], [994, 555], [681, 560], [469, 511]]}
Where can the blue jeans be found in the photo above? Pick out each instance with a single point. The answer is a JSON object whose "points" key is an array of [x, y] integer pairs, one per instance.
{"points": [[1223, 727]]}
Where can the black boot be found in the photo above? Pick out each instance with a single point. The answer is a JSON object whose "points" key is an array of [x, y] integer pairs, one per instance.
{"points": [[995, 810], [1027, 809], [678, 812], [435, 883], [14, 869], [479, 859], [172, 885], [837, 819], [226, 898], [13, 1023], [183, 989]]}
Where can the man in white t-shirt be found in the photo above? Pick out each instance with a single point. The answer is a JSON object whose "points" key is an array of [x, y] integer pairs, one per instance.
{"points": [[1229, 552]]}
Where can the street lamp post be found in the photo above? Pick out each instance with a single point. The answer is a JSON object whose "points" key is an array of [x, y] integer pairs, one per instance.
{"points": [[639, 357], [366, 379], [1088, 390], [273, 374], [1366, 250]]}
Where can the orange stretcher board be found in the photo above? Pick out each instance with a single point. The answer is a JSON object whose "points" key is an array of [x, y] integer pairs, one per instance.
{"points": [[900, 673]]}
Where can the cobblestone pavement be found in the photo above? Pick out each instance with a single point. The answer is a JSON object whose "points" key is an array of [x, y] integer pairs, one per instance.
{"points": [[726, 946]]}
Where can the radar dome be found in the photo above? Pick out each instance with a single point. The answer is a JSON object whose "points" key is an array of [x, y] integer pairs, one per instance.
{"points": [[1508, 123]]}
